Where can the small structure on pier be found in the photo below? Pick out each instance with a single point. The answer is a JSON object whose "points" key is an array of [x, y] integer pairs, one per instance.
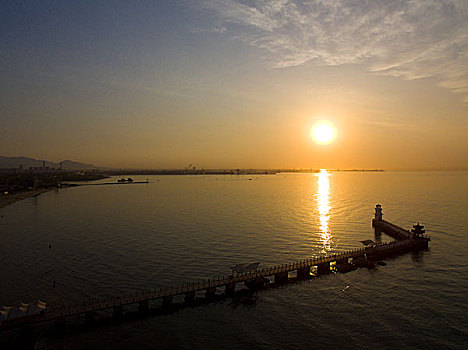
{"points": [[416, 234], [24, 309], [249, 274], [418, 230]]}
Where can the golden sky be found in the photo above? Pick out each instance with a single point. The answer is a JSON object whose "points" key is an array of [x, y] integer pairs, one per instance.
{"points": [[236, 84]]}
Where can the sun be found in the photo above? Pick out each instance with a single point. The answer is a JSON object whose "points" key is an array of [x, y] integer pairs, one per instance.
{"points": [[323, 132]]}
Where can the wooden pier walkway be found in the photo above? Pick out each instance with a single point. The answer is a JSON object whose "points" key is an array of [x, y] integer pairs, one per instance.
{"points": [[405, 241]]}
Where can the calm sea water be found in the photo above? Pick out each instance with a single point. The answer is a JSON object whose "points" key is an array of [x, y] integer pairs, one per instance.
{"points": [[111, 240]]}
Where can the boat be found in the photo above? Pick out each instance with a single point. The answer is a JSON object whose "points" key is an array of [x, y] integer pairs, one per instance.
{"points": [[123, 180]]}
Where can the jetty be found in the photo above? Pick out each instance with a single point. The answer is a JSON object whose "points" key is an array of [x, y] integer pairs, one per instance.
{"points": [[106, 183], [404, 241]]}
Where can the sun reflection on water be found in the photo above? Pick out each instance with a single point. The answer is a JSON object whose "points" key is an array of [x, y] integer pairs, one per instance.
{"points": [[323, 205]]}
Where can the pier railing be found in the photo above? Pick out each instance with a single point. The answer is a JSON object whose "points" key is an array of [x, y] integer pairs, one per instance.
{"points": [[54, 313], [406, 242]]}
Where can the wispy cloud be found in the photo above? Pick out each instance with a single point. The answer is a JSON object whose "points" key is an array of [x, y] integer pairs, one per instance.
{"points": [[407, 39], [220, 29]]}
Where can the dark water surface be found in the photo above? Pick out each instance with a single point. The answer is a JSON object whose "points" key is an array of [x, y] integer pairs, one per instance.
{"points": [[111, 240]]}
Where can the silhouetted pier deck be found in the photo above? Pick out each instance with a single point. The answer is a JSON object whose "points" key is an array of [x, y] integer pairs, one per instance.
{"points": [[405, 241], [392, 230]]}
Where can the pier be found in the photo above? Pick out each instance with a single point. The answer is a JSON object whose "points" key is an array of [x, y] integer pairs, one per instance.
{"points": [[405, 241]]}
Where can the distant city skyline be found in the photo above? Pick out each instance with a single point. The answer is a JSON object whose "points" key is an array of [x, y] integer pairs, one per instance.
{"points": [[236, 84]]}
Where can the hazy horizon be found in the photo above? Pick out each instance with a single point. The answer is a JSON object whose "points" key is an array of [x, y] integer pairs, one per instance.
{"points": [[198, 168], [236, 84]]}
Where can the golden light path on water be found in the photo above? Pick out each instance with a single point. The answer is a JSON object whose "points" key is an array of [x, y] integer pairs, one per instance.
{"points": [[323, 205]]}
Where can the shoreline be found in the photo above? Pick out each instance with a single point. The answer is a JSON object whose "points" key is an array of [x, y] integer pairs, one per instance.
{"points": [[7, 199]]}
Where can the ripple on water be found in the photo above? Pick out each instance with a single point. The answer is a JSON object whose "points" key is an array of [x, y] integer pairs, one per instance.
{"points": [[119, 239]]}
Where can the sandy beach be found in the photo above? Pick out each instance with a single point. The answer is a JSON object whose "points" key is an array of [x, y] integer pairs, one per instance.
{"points": [[7, 199]]}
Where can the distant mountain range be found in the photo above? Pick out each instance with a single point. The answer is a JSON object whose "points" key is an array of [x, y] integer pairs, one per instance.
{"points": [[15, 162]]}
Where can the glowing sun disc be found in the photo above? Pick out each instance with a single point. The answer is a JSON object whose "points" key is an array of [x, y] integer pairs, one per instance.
{"points": [[323, 133]]}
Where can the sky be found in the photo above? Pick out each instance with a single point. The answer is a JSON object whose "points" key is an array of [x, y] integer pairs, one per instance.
{"points": [[236, 84]]}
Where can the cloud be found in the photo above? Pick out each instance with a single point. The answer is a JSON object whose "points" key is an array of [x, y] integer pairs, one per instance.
{"points": [[220, 29], [408, 39]]}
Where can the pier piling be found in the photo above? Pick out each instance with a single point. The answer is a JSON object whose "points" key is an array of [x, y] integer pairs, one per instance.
{"points": [[117, 311], [189, 297], [230, 289], [143, 306], [90, 316], [405, 241], [323, 268], [167, 300], [281, 277], [210, 293], [303, 273]]}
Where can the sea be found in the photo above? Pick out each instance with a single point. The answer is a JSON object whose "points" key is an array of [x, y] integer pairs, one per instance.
{"points": [[90, 242]]}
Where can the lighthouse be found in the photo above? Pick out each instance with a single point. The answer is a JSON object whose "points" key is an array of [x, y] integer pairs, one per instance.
{"points": [[378, 212], [377, 217]]}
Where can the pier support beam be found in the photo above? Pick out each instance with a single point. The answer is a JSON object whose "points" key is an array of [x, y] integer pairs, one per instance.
{"points": [[360, 261], [256, 283], [60, 323], [342, 261], [90, 317], [117, 311], [281, 277], [426, 244], [189, 297], [377, 235], [210, 293], [143, 306], [343, 265], [230, 289], [303, 273], [167, 301], [323, 269], [26, 333]]}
